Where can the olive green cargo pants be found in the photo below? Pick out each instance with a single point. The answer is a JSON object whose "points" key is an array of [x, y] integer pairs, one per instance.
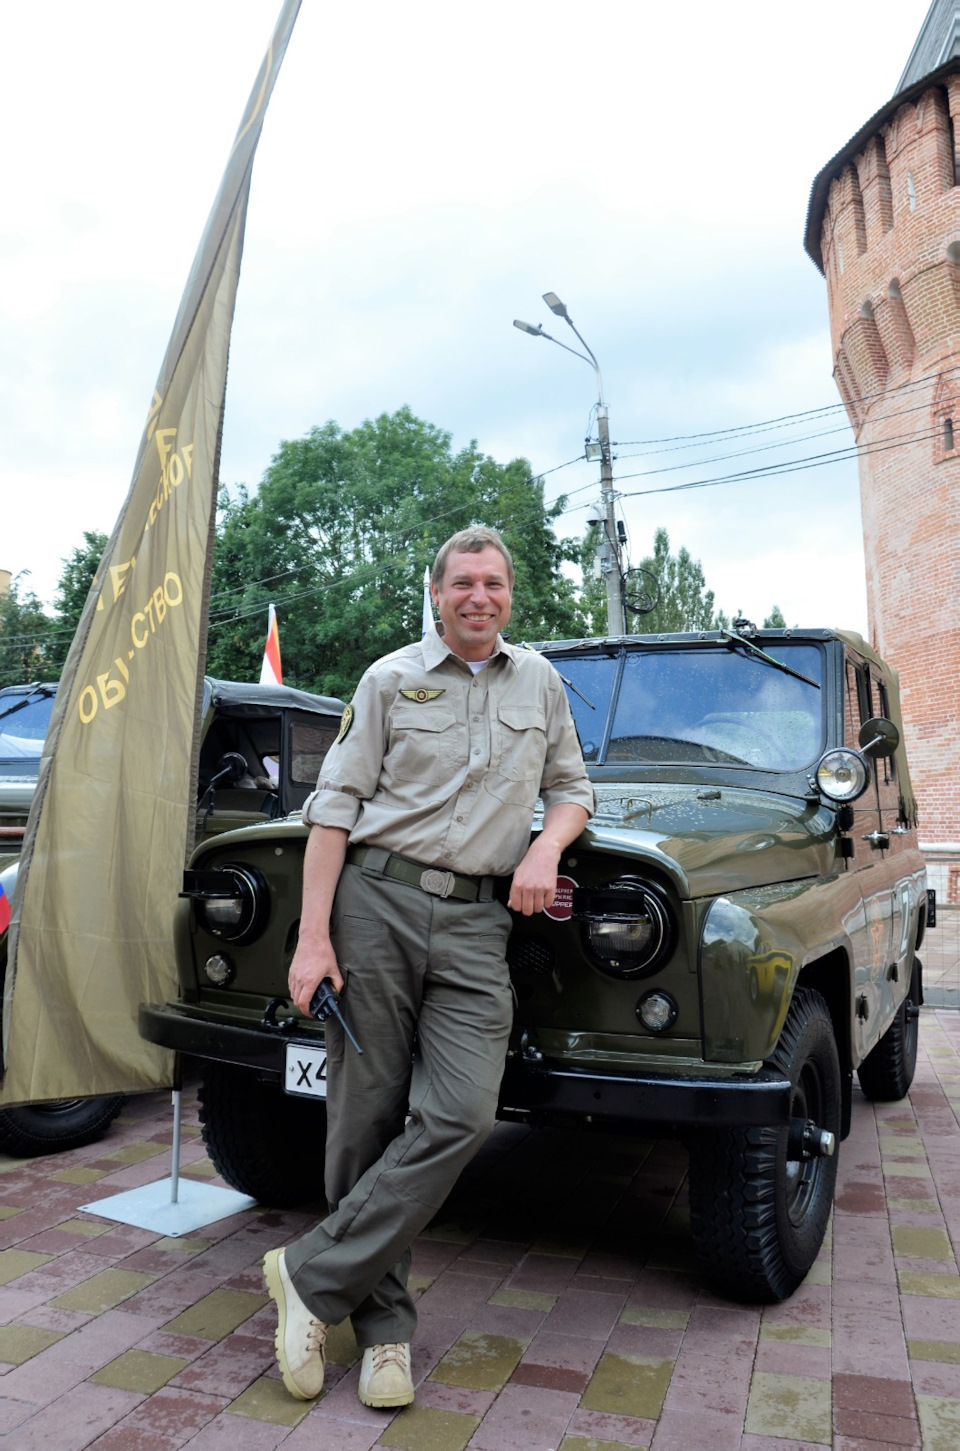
{"points": [[427, 993]]}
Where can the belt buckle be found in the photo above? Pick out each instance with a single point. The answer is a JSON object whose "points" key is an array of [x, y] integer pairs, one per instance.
{"points": [[436, 882]]}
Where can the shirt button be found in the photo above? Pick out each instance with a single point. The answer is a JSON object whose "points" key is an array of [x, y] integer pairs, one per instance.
{"points": [[476, 717], [476, 750], [460, 819]]}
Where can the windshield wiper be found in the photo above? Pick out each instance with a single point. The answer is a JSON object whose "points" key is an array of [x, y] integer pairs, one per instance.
{"points": [[525, 646], [35, 694], [762, 655]]}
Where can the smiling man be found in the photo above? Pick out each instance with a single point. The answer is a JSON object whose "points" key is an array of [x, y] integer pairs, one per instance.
{"points": [[420, 830]]}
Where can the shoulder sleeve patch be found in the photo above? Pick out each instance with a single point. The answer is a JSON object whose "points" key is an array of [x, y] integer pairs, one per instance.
{"points": [[346, 721]]}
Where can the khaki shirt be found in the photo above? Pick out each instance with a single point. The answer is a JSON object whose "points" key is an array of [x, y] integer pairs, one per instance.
{"points": [[445, 766]]}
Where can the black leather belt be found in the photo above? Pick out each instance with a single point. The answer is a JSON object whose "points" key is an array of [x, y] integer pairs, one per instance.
{"points": [[435, 880]]}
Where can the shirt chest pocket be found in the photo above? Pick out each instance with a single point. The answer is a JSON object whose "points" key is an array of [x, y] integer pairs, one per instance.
{"points": [[423, 743], [519, 751]]}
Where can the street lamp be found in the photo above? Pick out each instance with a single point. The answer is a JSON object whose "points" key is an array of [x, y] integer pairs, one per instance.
{"points": [[610, 555]]}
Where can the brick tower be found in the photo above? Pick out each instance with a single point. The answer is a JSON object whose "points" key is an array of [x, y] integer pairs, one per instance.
{"points": [[883, 226]]}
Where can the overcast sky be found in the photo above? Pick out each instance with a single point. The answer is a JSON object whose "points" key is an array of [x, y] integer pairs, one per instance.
{"points": [[426, 172]]}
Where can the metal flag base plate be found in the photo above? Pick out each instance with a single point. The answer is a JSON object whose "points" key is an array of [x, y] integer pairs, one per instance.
{"points": [[153, 1206], [172, 1206]]}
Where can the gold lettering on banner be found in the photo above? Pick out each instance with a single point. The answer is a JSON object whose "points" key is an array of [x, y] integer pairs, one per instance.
{"points": [[154, 413], [175, 465], [118, 577], [108, 690]]}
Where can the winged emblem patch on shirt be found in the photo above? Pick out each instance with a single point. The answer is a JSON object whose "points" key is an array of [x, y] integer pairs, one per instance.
{"points": [[421, 695]]}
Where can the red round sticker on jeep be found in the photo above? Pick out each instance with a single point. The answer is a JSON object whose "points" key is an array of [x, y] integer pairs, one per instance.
{"points": [[562, 908]]}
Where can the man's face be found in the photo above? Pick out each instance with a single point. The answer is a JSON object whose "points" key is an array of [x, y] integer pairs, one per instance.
{"points": [[473, 600]]}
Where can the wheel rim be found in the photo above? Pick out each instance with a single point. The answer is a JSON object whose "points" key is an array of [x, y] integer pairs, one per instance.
{"points": [[803, 1175]]}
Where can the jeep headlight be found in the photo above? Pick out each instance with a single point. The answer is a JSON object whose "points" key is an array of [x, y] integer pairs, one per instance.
{"points": [[628, 928], [232, 902], [842, 774]]}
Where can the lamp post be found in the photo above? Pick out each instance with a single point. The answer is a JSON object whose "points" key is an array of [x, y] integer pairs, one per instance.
{"points": [[610, 554]]}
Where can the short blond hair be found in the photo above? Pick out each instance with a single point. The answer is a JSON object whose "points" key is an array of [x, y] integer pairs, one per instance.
{"points": [[470, 541]]}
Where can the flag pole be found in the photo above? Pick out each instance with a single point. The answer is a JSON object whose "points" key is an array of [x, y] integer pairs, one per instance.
{"points": [[427, 602]]}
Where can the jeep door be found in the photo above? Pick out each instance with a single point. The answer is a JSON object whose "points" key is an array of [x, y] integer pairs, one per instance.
{"points": [[879, 930]]}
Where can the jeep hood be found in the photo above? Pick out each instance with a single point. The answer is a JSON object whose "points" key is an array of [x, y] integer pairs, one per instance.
{"points": [[714, 840]]}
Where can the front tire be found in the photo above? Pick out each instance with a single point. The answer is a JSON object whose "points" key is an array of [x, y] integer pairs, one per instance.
{"points": [[49, 1128], [887, 1071], [758, 1207], [266, 1143]]}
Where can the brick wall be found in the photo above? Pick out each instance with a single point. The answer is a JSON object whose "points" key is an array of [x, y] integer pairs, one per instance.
{"points": [[891, 253]]}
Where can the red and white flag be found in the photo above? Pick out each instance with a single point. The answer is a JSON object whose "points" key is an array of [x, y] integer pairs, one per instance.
{"points": [[270, 671]]}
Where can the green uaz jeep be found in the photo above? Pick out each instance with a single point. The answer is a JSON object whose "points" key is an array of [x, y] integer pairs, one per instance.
{"points": [[734, 936]]}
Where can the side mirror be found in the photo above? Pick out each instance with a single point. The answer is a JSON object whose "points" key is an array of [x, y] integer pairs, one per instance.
{"points": [[878, 737], [232, 767]]}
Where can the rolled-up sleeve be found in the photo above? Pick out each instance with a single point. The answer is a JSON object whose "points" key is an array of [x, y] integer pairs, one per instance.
{"points": [[351, 768], [564, 777]]}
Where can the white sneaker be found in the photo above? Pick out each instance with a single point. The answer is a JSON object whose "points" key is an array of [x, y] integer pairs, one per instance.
{"points": [[385, 1378], [300, 1337]]}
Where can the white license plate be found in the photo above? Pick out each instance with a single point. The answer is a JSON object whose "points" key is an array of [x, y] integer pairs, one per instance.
{"points": [[306, 1072]]}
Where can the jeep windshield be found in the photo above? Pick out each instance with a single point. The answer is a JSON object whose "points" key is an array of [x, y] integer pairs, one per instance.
{"points": [[24, 717], [700, 705]]}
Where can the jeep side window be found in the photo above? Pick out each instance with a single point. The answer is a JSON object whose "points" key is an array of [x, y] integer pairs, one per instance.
{"points": [[889, 762], [309, 738], [866, 710], [858, 685], [853, 703]]}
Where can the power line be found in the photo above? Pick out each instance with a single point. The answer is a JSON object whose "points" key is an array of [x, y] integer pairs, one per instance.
{"points": [[785, 420], [772, 471]]}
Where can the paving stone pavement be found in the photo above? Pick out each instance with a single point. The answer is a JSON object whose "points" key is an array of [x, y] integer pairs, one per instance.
{"points": [[559, 1306]]}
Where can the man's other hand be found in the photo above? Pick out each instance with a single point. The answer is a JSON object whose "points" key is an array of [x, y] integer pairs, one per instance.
{"points": [[534, 884]]}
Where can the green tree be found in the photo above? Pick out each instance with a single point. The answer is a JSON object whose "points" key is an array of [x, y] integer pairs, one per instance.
{"points": [[593, 591], [338, 536], [79, 570], [25, 631], [685, 603], [775, 620]]}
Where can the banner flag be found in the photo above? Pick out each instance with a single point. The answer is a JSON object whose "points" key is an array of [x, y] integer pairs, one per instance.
{"points": [[427, 602], [91, 932], [271, 672]]}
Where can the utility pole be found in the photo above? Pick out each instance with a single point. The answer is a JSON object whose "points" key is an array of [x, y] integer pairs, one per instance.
{"points": [[610, 558], [610, 553]]}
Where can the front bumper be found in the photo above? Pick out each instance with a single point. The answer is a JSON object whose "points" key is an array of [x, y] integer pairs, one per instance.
{"points": [[530, 1092], [191, 1031], [550, 1090]]}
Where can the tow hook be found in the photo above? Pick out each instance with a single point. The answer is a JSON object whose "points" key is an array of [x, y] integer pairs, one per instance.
{"points": [[271, 1023], [806, 1141]]}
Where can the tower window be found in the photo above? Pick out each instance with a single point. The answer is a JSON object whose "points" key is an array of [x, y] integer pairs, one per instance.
{"points": [[911, 192], [948, 435]]}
